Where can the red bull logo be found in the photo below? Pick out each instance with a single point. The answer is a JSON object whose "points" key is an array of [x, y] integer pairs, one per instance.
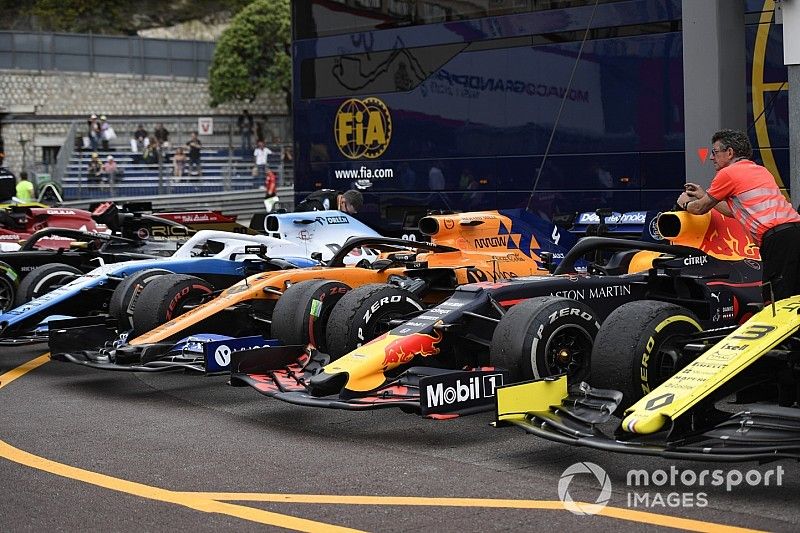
{"points": [[404, 349], [727, 237]]}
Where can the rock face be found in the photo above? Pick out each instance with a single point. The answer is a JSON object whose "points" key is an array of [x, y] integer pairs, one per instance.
{"points": [[206, 29]]}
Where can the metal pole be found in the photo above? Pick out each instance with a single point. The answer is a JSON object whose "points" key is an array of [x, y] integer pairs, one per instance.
{"points": [[160, 171], [228, 174]]}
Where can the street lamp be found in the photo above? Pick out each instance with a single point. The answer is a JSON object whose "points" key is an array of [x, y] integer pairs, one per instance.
{"points": [[23, 141]]}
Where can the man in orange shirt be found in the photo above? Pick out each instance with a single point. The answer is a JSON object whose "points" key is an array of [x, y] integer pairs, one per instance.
{"points": [[748, 192]]}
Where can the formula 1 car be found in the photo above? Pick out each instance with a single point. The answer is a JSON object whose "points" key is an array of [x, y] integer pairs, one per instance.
{"points": [[449, 359], [684, 416], [52, 267], [295, 306], [304, 240], [215, 260]]}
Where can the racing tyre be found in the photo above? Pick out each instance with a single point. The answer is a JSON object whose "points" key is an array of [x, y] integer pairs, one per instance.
{"points": [[44, 279], [544, 337], [637, 347], [8, 287], [364, 313], [302, 313], [124, 298], [167, 297]]}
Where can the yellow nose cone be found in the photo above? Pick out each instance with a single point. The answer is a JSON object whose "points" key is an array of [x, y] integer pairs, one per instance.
{"points": [[644, 424]]}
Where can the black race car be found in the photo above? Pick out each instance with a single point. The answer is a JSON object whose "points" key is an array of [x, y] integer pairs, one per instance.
{"points": [[450, 358]]}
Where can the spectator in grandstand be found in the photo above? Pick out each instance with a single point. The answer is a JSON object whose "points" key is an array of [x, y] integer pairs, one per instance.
{"points": [[178, 162], [110, 170], [150, 154], [348, 202], [95, 169], [245, 124], [261, 154], [107, 133], [162, 136], [195, 146], [94, 134], [139, 136], [25, 190]]}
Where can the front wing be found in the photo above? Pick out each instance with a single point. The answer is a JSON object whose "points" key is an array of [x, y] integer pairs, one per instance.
{"points": [[580, 418], [282, 373]]}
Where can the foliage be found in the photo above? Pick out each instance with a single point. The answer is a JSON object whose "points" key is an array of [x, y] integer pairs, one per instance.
{"points": [[253, 54]]}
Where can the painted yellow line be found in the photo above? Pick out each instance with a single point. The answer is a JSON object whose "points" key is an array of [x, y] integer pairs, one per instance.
{"points": [[190, 500], [21, 370], [612, 512], [213, 502]]}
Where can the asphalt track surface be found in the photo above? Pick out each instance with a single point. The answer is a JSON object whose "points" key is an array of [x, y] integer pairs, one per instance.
{"points": [[84, 449]]}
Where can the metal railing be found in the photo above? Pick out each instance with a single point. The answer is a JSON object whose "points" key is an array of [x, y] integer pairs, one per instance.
{"points": [[73, 52]]}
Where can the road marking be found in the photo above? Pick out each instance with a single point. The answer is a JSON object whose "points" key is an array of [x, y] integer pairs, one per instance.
{"points": [[213, 502], [612, 512], [23, 369], [190, 500]]}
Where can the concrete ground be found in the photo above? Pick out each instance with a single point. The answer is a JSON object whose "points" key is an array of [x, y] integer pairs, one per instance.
{"points": [[84, 449]]}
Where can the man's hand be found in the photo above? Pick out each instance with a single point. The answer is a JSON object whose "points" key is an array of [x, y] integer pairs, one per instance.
{"points": [[694, 190], [683, 199]]}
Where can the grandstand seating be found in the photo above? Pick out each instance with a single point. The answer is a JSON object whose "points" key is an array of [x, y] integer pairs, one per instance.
{"points": [[221, 172]]}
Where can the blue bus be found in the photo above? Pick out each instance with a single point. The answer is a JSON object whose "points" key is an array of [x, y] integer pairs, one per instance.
{"points": [[454, 105]]}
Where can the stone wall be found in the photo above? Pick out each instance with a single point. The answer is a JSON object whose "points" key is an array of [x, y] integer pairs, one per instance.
{"points": [[58, 98]]}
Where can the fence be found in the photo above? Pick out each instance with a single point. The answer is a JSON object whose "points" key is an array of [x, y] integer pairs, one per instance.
{"points": [[106, 54]]}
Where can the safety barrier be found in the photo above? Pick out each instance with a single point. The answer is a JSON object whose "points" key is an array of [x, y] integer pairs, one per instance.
{"points": [[242, 203]]}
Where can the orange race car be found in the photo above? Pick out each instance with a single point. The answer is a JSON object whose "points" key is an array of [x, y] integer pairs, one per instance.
{"points": [[294, 305]]}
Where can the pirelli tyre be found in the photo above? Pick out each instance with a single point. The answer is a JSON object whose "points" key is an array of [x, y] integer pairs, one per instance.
{"points": [[364, 313], [9, 281], [126, 295], [638, 347], [301, 314], [167, 297], [543, 337], [44, 279]]}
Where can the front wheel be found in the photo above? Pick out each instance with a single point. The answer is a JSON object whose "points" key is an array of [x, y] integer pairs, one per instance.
{"points": [[639, 347], [44, 279], [8, 287], [543, 337], [364, 313], [167, 297]]}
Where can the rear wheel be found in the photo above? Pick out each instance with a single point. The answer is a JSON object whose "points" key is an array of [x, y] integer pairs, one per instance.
{"points": [[123, 300], [302, 313], [44, 279], [544, 337], [639, 347], [167, 297], [364, 313]]}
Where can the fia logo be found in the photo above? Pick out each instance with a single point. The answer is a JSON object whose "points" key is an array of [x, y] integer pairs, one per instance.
{"points": [[362, 128]]}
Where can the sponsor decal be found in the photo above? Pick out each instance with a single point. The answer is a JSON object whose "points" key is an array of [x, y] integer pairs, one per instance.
{"points": [[594, 292], [755, 265], [403, 349], [60, 212], [449, 223], [653, 229], [699, 261], [491, 242], [634, 217], [337, 220], [459, 390], [362, 128], [222, 355]]}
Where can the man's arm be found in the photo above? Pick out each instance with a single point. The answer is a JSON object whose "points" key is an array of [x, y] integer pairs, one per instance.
{"points": [[696, 201]]}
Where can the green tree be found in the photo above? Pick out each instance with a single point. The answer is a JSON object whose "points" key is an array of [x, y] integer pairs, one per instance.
{"points": [[253, 54]]}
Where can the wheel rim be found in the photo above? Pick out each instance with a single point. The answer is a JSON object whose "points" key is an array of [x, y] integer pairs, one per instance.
{"points": [[6, 294], [667, 359], [568, 350]]}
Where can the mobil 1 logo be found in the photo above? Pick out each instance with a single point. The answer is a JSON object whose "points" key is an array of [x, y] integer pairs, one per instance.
{"points": [[460, 391]]}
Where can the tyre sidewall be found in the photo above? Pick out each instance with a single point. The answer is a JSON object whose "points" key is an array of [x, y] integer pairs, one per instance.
{"points": [[647, 371], [126, 295], [371, 314], [41, 280]]}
